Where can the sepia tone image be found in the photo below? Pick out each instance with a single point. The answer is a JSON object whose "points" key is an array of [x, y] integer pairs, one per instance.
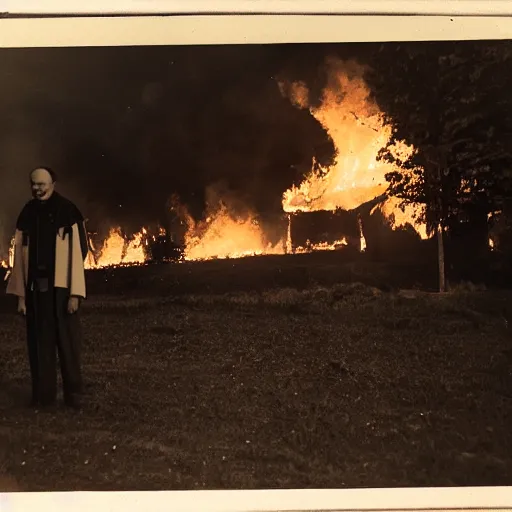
{"points": [[256, 266]]}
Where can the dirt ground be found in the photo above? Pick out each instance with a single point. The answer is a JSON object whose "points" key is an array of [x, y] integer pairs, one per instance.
{"points": [[326, 385]]}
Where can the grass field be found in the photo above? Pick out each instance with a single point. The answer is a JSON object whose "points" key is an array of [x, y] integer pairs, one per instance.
{"points": [[199, 379]]}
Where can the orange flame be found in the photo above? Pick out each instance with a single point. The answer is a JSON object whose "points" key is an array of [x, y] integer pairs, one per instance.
{"points": [[117, 250], [9, 262], [222, 235], [356, 126], [401, 216]]}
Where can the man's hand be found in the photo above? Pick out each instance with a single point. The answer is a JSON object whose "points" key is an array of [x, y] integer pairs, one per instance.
{"points": [[22, 308], [73, 304]]}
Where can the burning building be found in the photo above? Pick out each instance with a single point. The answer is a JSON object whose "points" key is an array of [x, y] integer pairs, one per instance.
{"points": [[330, 207], [333, 204]]}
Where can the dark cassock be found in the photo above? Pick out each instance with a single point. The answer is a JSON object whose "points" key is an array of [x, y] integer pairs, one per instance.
{"points": [[49, 254]]}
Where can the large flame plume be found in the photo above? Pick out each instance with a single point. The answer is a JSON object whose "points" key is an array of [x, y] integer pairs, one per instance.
{"points": [[356, 125]]}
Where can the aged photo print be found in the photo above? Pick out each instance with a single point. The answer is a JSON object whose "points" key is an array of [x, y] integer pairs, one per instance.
{"points": [[256, 266]]}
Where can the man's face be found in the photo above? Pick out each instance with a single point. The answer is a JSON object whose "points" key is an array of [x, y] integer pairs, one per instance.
{"points": [[42, 184]]}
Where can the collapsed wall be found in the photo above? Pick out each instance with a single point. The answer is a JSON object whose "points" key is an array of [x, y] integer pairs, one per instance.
{"points": [[382, 241], [334, 229]]}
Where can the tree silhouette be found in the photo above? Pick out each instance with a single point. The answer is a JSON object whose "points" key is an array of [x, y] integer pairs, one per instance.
{"points": [[452, 101]]}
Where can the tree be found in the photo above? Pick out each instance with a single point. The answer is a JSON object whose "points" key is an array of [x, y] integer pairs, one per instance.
{"points": [[452, 101]]}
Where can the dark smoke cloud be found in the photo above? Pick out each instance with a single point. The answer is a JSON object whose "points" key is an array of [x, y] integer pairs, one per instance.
{"points": [[126, 127]]}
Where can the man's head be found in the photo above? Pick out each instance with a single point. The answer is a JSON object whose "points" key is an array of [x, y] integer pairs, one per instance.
{"points": [[42, 181]]}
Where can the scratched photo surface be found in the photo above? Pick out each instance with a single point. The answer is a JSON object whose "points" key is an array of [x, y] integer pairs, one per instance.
{"points": [[298, 263]]}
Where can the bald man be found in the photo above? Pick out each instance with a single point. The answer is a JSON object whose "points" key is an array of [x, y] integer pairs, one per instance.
{"points": [[48, 278]]}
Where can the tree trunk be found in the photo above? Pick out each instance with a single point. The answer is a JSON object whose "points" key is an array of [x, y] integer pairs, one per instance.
{"points": [[440, 259], [440, 226]]}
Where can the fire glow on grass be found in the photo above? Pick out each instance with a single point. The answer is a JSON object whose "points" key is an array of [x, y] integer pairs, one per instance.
{"points": [[356, 125]]}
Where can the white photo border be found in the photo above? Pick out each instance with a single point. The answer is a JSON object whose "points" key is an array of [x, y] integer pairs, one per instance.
{"points": [[246, 29], [367, 500], [201, 30], [371, 7]]}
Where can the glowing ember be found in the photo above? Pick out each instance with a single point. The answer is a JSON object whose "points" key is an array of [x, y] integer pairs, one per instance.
{"points": [[362, 239], [117, 250], [494, 219], [11, 253], [289, 246], [323, 246], [356, 126], [221, 235]]}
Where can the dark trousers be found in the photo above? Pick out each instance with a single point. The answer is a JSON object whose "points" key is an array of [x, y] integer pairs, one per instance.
{"points": [[51, 329]]}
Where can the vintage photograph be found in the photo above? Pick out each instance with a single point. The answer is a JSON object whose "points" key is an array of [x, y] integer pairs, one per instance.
{"points": [[256, 266]]}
